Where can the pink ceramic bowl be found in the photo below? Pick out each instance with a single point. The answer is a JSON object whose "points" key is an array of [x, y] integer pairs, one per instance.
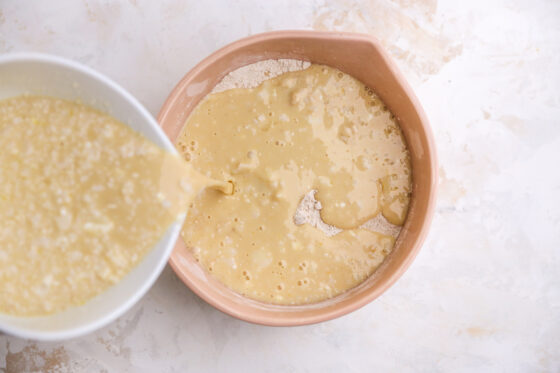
{"points": [[362, 57]]}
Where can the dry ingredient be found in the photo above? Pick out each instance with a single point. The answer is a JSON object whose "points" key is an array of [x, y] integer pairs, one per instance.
{"points": [[253, 75]]}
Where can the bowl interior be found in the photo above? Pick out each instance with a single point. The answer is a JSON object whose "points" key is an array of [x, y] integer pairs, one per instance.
{"points": [[363, 58], [52, 76]]}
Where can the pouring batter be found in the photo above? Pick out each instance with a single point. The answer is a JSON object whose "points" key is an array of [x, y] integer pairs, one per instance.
{"points": [[82, 199]]}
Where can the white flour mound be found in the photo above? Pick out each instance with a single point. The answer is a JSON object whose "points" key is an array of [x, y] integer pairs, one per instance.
{"points": [[252, 75], [309, 209], [381, 225]]}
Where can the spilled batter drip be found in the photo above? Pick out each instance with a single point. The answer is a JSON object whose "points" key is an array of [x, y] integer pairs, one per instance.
{"points": [[315, 129]]}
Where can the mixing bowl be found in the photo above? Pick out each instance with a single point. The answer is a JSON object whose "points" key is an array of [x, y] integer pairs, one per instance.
{"points": [[53, 76], [362, 57]]}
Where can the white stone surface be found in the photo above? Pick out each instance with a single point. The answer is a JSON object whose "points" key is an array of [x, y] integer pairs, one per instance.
{"points": [[484, 293]]}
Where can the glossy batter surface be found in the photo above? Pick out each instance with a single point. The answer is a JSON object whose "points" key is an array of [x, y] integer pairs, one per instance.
{"points": [[82, 199], [312, 129]]}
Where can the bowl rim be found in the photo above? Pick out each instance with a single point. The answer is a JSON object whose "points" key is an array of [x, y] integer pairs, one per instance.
{"points": [[293, 318], [127, 304]]}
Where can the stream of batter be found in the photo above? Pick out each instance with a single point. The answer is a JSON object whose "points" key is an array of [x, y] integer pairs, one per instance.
{"points": [[315, 129]]}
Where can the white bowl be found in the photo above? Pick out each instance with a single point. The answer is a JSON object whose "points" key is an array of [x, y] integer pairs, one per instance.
{"points": [[54, 76]]}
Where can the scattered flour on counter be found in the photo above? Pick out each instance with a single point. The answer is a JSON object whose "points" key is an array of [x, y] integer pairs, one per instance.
{"points": [[309, 209]]}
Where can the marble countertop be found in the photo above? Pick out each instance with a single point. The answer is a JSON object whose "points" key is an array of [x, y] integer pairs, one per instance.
{"points": [[484, 293]]}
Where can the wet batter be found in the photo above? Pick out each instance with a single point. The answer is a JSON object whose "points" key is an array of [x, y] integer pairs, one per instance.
{"points": [[315, 129], [82, 199]]}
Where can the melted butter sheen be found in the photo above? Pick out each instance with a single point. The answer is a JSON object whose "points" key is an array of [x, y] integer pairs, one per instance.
{"points": [[82, 199], [312, 129]]}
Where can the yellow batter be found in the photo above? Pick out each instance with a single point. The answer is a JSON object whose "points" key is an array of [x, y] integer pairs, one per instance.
{"points": [[82, 199], [312, 129]]}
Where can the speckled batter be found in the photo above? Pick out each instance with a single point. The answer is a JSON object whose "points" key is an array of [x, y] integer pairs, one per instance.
{"points": [[82, 199]]}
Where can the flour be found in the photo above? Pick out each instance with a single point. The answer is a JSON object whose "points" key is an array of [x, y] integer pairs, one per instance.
{"points": [[252, 75], [309, 209], [380, 225]]}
